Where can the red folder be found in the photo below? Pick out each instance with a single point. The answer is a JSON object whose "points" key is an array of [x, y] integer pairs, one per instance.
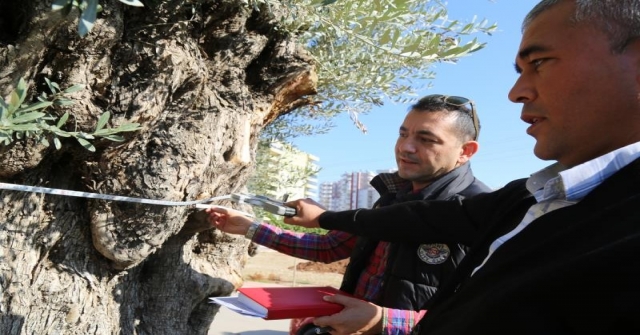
{"points": [[289, 302]]}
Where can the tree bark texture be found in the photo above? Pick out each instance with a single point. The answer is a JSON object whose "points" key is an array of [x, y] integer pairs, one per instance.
{"points": [[202, 77]]}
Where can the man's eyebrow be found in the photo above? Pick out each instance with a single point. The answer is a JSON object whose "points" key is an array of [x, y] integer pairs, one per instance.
{"points": [[426, 132], [419, 132], [526, 52]]}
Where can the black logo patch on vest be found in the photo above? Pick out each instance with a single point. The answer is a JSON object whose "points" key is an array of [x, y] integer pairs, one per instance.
{"points": [[434, 253]]}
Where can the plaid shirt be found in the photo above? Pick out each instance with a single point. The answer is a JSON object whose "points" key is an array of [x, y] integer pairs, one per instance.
{"points": [[330, 247], [394, 321], [370, 281], [399, 322], [333, 246], [337, 245]]}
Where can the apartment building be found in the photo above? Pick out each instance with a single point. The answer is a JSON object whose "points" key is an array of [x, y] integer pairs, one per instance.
{"points": [[350, 192], [283, 169]]}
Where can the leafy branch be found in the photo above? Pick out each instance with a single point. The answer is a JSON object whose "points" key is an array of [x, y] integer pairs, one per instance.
{"points": [[369, 52], [31, 121], [88, 10]]}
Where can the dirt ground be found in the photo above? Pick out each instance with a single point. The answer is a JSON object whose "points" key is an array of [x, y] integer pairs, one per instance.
{"points": [[271, 266]]}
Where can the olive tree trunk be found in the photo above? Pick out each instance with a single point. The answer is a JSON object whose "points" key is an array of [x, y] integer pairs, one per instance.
{"points": [[202, 77]]}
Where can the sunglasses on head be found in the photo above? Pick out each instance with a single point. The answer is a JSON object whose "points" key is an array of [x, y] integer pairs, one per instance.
{"points": [[457, 101]]}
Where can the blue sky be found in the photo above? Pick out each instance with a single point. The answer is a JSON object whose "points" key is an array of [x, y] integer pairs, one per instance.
{"points": [[506, 151]]}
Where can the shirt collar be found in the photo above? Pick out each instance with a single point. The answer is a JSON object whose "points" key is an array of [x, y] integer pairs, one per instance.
{"points": [[546, 183], [558, 182]]}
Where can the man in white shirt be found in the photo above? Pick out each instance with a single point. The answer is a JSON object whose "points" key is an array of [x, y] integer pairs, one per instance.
{"points": [[557, 253]]}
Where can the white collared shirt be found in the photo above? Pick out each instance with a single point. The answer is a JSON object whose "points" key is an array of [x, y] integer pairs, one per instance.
{"points": [[555, 187]]}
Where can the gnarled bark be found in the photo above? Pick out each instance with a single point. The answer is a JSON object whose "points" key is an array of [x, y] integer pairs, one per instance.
{"points": [[202, 78]]}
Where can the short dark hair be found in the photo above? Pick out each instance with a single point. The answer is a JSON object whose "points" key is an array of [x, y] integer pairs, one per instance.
{"points": [[462, 113], [619, 19]]}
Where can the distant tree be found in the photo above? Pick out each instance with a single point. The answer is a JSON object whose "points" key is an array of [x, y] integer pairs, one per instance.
{"points": [[199, 80]]}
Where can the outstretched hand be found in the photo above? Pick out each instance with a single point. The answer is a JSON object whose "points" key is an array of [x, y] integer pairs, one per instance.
{"points": [[358, 317], [229, 220], [307, 214]]}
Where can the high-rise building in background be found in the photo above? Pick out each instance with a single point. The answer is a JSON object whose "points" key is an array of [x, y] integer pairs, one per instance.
{"points": [[350, 192], [326, 194], [283, 169]]}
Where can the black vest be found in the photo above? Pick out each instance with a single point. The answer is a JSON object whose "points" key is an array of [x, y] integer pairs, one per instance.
{"points": [[413, 271]]}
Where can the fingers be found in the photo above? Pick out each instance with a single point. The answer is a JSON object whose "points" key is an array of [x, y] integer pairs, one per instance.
{"points": [[293, 203], [303, 202], [357, 317], [215, 209], [217, 220], [333, 324], [290, 220], [341, 299], [324, 322], [307, 214]]}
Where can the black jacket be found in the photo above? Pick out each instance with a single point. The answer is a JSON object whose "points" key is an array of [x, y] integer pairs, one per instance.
{"points": [[575, 270], [413, 274]]}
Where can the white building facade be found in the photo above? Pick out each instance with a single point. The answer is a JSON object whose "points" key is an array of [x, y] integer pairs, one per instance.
{"points": [[286, 165]]}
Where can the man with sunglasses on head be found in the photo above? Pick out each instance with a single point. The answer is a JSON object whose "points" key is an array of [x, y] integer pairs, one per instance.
{"points": [[436, 140], [556, 253]]}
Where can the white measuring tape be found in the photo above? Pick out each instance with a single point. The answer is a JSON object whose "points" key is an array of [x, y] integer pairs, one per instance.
{"points": [[56, 191]]}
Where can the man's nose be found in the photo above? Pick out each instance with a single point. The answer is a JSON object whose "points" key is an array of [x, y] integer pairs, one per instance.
{"points": [[407, 145], [522, 90]]}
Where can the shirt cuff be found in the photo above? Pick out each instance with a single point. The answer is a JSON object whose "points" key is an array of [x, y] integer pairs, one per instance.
{"points": [[252, 230], [385, 321]]}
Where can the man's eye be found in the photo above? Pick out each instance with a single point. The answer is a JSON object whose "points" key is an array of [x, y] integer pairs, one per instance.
{"points": [[537, 62]]}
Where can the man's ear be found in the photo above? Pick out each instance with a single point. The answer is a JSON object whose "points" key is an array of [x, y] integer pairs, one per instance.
{"points": [[467, 150]]}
